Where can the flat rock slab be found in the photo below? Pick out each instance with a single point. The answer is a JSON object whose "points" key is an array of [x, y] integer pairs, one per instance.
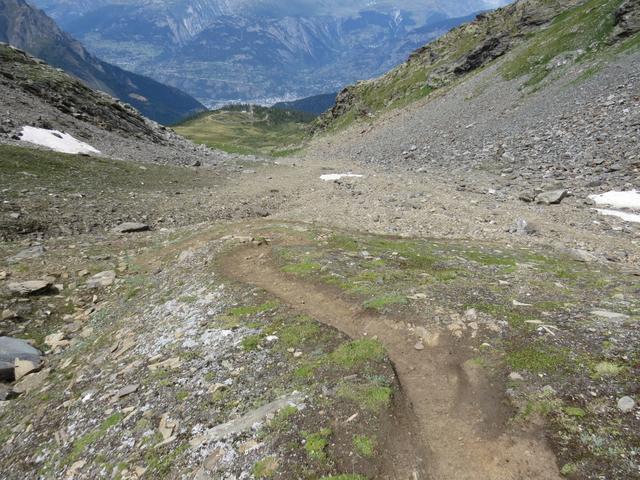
{"points": [[28, 254], [609, 315], [247, 422], [15, 351], [32, 287], [128, 390], [102, 279], [131, 227], [552, 197]]}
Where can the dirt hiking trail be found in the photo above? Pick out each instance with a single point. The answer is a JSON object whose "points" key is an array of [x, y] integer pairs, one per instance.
{"points": [[462, 419]]}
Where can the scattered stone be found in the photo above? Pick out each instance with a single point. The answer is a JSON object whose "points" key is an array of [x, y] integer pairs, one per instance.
{"points": [[32, 287], [9, 315], [28, 254], [419, 346], [128, 390], [552, 197], [22, 368], [102, 280], [13, 349], [581, 255], [522, 227], [4, 275], [131, 227], [246, 422], [31, 382], [626, 404], [56, 340], [515, 377]]}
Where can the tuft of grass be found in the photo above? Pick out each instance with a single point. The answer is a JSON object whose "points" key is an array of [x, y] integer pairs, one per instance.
{"points": [[371, 397], [316, 444], [364, 445], [159, 465], [358, 352], [252, 310], [607, 369], [251, 342], [265, 468], [537, 359], [384, 301], [302, 268], [85, 440], [302, 331]]}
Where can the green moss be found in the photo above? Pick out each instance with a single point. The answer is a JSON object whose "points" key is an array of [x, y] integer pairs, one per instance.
{"points": [[265, 468], [316, 444], [574, 411], [252, 309], [89, 438], [159, 465], [607, 369], [569, 469], [182, 395], [364, 445], [537, 359], [384, 301], [371, 397], [303, 330], [251, 342], [357, 353], [302, 268]]}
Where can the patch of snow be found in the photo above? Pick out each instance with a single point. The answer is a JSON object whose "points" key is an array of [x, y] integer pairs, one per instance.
{"points": [[55, 140], [627, 217], [332, 177], [630, 199]]}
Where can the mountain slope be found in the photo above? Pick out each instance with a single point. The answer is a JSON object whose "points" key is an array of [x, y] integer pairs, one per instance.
{"points": [[37, 95], [258, 51], [580, 28], [31, 30]]}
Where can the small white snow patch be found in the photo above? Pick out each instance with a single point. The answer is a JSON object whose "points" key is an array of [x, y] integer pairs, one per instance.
{"points": [[55, 140], [630, 199], [627, 217], [332, 177]]}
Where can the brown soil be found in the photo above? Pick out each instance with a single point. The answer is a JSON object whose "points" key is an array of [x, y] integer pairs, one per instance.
{"points": [[462, 419]]}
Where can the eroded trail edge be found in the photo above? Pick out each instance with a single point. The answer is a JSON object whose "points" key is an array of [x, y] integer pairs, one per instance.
{"points": [[461, 417]]}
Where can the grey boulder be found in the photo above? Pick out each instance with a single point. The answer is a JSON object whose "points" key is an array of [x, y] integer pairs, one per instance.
{"points": [[552, 197], [32, 287], [12, 349]]}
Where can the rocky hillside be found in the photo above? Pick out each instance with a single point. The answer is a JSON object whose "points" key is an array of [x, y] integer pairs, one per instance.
{"points": [[551, 34], [31, 30], [38, 95]]}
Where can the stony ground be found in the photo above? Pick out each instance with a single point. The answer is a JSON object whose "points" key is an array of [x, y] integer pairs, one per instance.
{"points": [[269, 324]]}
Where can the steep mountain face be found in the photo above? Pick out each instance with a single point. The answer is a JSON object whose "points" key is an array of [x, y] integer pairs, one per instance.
{"points": [[257, 50], [31, 30], [553, 34]]}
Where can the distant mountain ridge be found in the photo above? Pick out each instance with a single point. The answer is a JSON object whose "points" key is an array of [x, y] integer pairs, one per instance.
{"points": [[315, 105], [32, 30], [258, 50]]}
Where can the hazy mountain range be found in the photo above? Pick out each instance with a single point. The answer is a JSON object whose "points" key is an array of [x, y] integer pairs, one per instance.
{"points": [[31, 30], [218, 50]]}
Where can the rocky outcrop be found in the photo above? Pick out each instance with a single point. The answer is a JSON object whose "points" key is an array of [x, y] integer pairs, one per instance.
{"points": [[627, 19]]}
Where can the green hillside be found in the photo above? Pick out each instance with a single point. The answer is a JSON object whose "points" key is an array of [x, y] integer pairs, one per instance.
{"points": [[248, 129]]}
